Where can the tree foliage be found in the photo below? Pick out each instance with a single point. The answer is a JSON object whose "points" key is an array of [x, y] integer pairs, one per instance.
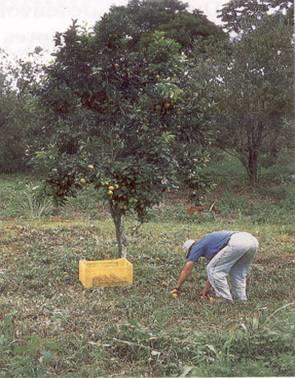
{"points": [[253, 91], [20, 121], [109, 120], [242, 15], [140, 18], [116, 98]]}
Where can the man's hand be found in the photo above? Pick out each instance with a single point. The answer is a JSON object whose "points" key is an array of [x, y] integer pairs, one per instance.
{"points": [[175, 293]]}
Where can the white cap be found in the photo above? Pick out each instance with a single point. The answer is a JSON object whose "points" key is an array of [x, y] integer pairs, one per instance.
{"points": [[187, 245]]}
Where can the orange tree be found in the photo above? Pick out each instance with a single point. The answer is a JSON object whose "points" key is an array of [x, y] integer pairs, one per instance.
{"points": [[112, 111], [116, 98]]}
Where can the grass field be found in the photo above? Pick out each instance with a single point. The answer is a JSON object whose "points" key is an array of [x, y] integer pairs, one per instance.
{"points": [[50, 326]]}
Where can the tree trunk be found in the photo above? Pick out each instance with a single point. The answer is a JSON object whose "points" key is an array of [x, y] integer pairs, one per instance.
{"points": [[254, 136], [252, 167], [118, 218]]}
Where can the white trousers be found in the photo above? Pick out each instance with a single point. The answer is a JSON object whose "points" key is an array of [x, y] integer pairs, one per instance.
{"points": [[234, 261]]}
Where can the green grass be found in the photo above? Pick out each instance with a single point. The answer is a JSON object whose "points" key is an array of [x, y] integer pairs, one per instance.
{"points": [[50, 326]]}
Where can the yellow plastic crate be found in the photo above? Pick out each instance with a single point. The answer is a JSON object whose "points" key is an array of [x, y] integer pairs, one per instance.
{"points": [[105, 273]]}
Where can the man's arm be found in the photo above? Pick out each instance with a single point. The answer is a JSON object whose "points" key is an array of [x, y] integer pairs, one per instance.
{"points": [[184, 274]]}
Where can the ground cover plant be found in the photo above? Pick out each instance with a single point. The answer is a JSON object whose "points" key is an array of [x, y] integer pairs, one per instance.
{"points": [[51, 326]]}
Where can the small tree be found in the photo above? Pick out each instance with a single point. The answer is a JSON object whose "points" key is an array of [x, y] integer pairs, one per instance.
{"points": [[116, 96], [112, 111]]}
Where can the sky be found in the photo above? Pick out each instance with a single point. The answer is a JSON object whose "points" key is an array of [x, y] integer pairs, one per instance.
{"points": [[25, 24]]}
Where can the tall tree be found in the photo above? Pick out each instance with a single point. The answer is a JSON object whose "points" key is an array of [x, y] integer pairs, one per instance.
{"points": [[242, 15], [19, 110], [140, 18], [253, 91]]}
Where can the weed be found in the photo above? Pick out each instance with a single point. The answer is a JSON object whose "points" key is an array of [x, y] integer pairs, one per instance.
{"points": [[35, 204]]}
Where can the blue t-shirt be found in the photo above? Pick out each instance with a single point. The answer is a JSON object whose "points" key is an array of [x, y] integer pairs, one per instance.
{"points": [[209, 245]]}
